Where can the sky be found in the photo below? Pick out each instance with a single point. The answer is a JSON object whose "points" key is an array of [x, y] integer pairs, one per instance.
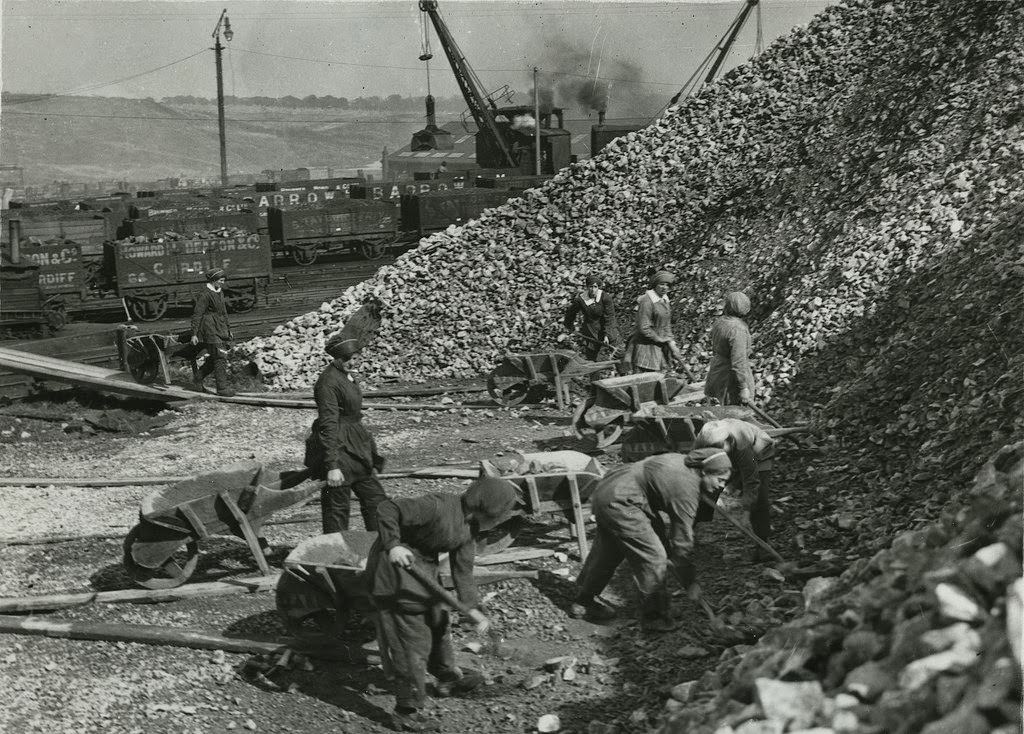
{"points": [[344, 48]]}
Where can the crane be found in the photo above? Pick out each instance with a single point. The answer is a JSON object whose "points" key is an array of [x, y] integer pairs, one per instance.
{"points": [[480, 107], [721, 49], [506, 137]]}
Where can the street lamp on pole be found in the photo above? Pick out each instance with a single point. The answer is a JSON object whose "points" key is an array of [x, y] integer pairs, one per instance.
{"points": [[222, 24]]}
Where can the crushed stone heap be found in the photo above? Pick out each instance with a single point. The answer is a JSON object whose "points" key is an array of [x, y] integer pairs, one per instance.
{"points": [[846, 158], [925, 636]]}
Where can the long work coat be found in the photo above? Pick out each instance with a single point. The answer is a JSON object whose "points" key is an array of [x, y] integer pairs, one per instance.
{"points": [[751, 453], [210, 318], [649, 343], [730, 378], [338, 439]]}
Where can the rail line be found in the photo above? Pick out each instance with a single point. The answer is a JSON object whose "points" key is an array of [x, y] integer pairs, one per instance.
{"points": [[292, 292]]}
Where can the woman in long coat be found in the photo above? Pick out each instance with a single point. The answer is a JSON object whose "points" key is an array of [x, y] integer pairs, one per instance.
{"points": [[652, 347], [730, 378]]}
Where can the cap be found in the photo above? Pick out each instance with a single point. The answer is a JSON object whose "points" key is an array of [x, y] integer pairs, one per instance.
{"points": [[340, 347], [215, 274]]}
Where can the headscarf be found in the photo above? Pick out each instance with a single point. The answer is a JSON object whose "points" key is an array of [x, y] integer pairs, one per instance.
{"points": [[591, 280], [340, 347], [490, 500], [215, 274], [713, 433], [709, 460], [737, 304], [662, 276]]}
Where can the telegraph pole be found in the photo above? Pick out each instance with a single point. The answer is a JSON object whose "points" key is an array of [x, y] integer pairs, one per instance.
{"points": [[536, 125], [217, 49]]}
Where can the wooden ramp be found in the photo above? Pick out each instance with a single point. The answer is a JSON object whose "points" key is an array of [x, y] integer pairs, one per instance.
{"points": [[84, 375]]}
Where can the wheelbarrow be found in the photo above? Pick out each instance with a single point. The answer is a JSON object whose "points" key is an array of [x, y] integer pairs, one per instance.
{"points": [[162, 551], [511, 381], [659, 429], [614, 400], [147, 356], [324, 583], [555, 482]]}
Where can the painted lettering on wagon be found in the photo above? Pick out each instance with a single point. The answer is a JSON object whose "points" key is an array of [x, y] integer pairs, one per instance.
{"points": [[287, 198]]}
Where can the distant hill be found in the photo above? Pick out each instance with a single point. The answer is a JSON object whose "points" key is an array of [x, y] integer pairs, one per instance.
{"points": [[102, 138]]}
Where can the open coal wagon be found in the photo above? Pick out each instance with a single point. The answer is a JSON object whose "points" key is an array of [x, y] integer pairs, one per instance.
{"points": [[511, 382], [162, 551], [614, 400]]}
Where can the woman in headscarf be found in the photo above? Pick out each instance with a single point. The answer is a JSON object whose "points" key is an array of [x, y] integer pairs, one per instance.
{"points": [[652, 347], [628, 503], [730, 378]]}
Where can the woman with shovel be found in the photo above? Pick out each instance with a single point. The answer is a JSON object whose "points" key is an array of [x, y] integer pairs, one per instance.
{"points": [[403, 573], [628, 503]]}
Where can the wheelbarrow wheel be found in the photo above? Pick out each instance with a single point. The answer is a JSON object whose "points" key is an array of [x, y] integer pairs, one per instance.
{"points": [[306, 612], [604, 437], [507, 390], [172, 572]]}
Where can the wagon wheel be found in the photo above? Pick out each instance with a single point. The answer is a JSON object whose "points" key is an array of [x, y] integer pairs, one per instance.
{"points": [[604, 437], [304, 254], [507, 390], [240, 300], [173, 572], [148, 308], [306, 611], [372, 250], [143, 361]]}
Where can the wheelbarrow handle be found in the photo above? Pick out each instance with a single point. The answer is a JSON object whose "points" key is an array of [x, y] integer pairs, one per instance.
{"points": [[440, 593]]}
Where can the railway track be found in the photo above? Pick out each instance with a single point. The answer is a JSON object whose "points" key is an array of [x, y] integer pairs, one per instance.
{"points": [[292, 292]]}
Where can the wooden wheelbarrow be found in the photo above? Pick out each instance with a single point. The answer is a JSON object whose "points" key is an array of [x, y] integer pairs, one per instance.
{"points": [[147, 356], [162, 551], [556, 482], [511, 381], [614, 400], [658, 429]]}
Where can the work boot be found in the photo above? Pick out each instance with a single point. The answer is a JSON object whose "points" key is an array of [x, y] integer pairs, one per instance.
{"points": [[591, 610], [412, 720], [469, 681], [200, 385], [220, 374]]}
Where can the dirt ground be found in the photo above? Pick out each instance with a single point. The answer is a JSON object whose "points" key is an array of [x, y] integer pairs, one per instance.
{"points": [[58, 685]]}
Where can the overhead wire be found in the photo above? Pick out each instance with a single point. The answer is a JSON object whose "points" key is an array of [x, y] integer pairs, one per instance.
{"points": [[100, 85]]}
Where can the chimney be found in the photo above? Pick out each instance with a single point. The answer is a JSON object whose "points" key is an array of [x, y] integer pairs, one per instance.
{"points": [[14, 228], [600, 117], [431, 119]]}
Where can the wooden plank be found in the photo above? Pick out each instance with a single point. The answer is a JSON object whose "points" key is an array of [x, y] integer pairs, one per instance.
{"points": [[51, 602], [513, 555], [142, 633]]}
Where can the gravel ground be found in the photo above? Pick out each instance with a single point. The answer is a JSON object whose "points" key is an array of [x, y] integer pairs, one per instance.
{"points": [[53, 685]]}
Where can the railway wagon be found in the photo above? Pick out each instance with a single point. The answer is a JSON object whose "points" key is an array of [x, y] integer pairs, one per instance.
{"points": [[66, 279], [22, 308], [303, 232], [426, 213], [515, 184], [261, 198], [86, 229], [394, 190], [191, 221], [152, 275]]}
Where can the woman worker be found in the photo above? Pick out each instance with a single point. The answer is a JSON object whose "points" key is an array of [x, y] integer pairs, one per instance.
{"points": [[730, 378], [652, 347], [414, 626], [627, 503], [597, 308]]}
